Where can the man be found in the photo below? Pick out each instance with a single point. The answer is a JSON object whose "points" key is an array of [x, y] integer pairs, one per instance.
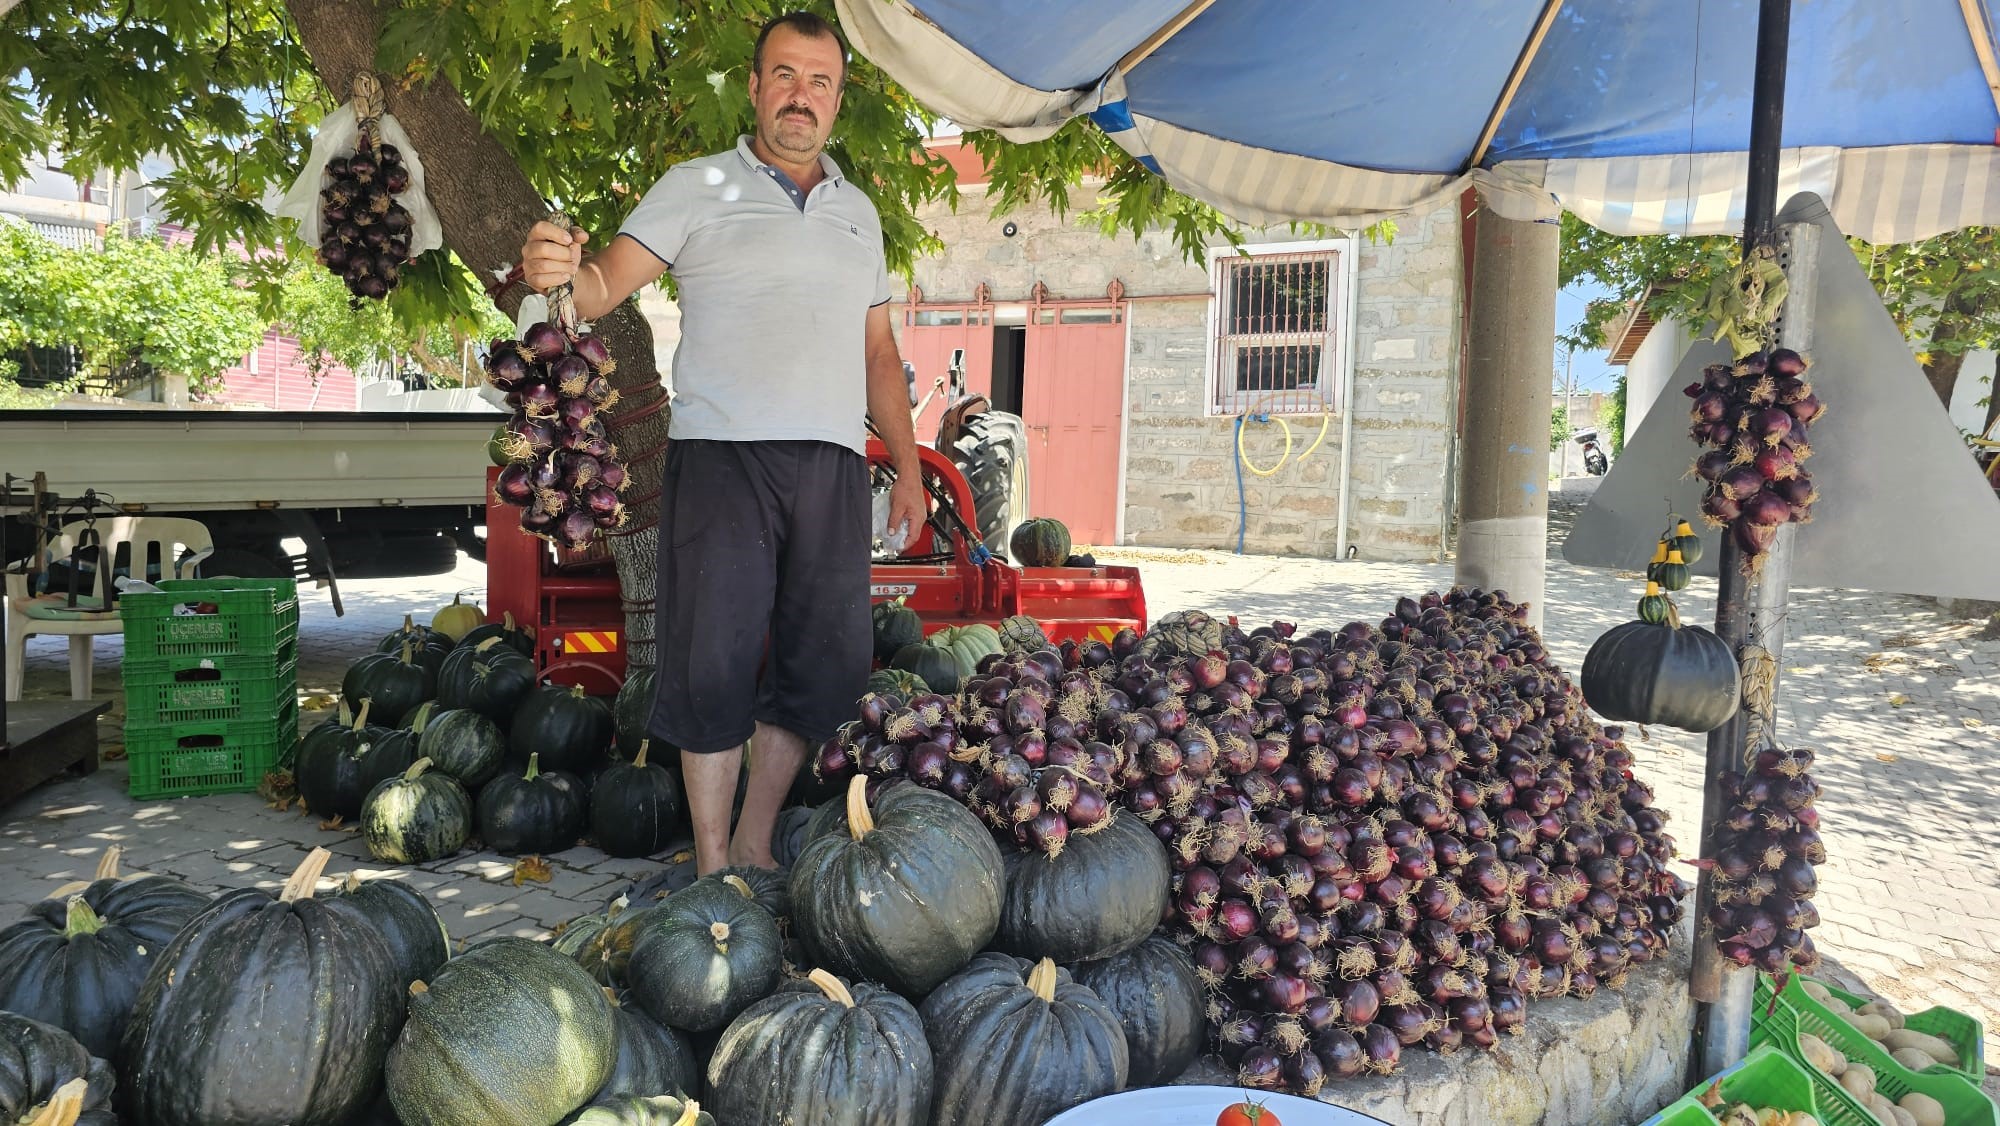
{"points": [[765, 508]]}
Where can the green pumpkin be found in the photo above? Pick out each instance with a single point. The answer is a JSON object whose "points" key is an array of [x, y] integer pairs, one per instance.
{"points": [[418, 816], [489, 678], [904, 894], [704, 955], [331, 728], [570, 729], [464, 744], [533, 813], [933, 664], [651, 1057], [411, 632], [1642, 672], [519, 638], [411, 927], [1022, 634], [635, 808], [1018, 1042], [1160, 1003], [655, 1110], [899, 683], [1100, 896], [1184, 633], [896, 625], [632, 710], [599, 943], [396, 682], [38, 1060], [264, 1010], [420, 717], [1039, 542], [335, 772], [769, 888], [509, 1033], [969, 644], [77, 959], [827, 1052]]}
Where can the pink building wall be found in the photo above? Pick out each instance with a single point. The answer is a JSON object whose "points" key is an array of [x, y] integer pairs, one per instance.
{"points": [[282, 381]]}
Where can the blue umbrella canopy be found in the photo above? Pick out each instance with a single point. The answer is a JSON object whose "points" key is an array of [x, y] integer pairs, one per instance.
{"points": [[1634, 114]]}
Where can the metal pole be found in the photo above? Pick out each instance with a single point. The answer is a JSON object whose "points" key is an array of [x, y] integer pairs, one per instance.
{"points": [[1748, 610]]}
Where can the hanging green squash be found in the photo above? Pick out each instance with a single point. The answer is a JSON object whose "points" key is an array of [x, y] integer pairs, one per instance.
{"points": [[1673, 574], [1688, 543], [1656, 608]]}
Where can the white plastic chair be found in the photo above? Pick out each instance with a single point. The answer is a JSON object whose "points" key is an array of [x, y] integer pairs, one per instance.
{"points": [[142, 547]]}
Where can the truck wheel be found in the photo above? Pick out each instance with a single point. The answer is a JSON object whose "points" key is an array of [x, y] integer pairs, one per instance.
{"points": [[240, 563], [992, 454]]}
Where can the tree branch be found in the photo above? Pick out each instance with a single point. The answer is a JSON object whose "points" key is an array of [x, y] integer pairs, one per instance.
{"points": [[487, 205]]}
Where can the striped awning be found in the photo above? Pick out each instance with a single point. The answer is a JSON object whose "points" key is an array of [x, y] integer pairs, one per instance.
{"points": [[1633, 114]]}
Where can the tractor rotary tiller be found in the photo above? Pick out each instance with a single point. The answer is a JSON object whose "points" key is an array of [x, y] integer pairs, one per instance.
{"points": [[946, 574]]}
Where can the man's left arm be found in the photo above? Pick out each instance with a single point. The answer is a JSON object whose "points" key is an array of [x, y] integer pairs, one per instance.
{"points": [[889, 407]]}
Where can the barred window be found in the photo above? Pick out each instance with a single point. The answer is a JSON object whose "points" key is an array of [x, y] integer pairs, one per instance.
{"points": [[1275, 347]]}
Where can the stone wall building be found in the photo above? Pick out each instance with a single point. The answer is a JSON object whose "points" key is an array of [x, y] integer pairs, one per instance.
{"points": [[1371, 379]]}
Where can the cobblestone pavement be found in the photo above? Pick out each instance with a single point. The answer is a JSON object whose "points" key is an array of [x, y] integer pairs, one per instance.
{"points": [[1903, 703]]}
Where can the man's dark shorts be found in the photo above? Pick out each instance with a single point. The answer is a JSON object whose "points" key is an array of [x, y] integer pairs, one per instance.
{"points": [[761, 541]]}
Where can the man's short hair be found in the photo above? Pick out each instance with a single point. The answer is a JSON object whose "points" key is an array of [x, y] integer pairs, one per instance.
{"points": [[807, 24]]}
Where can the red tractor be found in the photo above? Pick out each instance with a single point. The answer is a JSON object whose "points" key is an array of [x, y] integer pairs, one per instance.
{"points": [[953, 572]]}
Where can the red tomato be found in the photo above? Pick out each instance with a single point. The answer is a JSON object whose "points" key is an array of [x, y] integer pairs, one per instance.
{"points": [[1247, 1114]]}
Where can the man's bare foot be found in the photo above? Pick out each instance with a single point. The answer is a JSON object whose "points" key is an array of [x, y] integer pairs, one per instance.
{"points": [[751, 858]]}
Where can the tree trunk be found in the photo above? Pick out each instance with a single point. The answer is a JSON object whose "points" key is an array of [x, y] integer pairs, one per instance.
{"points": [[1942, 371], [1943, 368], [486, 206]]}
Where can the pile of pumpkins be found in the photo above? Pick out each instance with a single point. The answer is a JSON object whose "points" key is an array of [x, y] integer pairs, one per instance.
{"points": [[444, 735], [877, 981], [141, 999]]}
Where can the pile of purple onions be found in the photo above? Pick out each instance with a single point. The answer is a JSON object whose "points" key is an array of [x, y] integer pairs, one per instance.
{"points": [[1753, 416], [1384, 837], [1765, 865], [563, 472], [364, 232]]}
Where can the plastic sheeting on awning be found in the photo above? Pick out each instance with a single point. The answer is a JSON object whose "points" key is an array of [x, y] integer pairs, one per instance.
{"points": [[1634, 114]]}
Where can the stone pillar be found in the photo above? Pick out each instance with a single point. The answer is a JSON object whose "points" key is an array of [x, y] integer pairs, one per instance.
{"points": [[1503, 480]]}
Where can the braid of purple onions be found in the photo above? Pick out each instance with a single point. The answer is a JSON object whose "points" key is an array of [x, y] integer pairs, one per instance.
{"points": [[365, 231], [1753, 416]]}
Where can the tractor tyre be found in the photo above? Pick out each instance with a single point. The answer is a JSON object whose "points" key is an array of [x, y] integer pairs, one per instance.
{"points": [[992, 455]]}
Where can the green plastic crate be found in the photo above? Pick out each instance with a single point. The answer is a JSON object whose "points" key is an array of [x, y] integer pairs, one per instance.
{"points": [[1767, 1077], [159, 670], [218, 757], [1780, 1025], [208, 691], [1955, 1028], [252, 618]]}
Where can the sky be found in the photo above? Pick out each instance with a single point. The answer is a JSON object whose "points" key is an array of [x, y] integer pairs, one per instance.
{"points": [[1592, 369]]}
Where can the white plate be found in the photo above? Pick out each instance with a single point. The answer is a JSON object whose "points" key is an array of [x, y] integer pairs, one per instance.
{"points": [[1200, 1106]]}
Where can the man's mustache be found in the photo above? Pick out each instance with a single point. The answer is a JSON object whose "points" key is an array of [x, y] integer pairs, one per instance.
{"points": [[799, 111]]}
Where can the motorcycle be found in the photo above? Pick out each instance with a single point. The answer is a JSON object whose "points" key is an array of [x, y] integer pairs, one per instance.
{"points": [[1595, 462]]}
